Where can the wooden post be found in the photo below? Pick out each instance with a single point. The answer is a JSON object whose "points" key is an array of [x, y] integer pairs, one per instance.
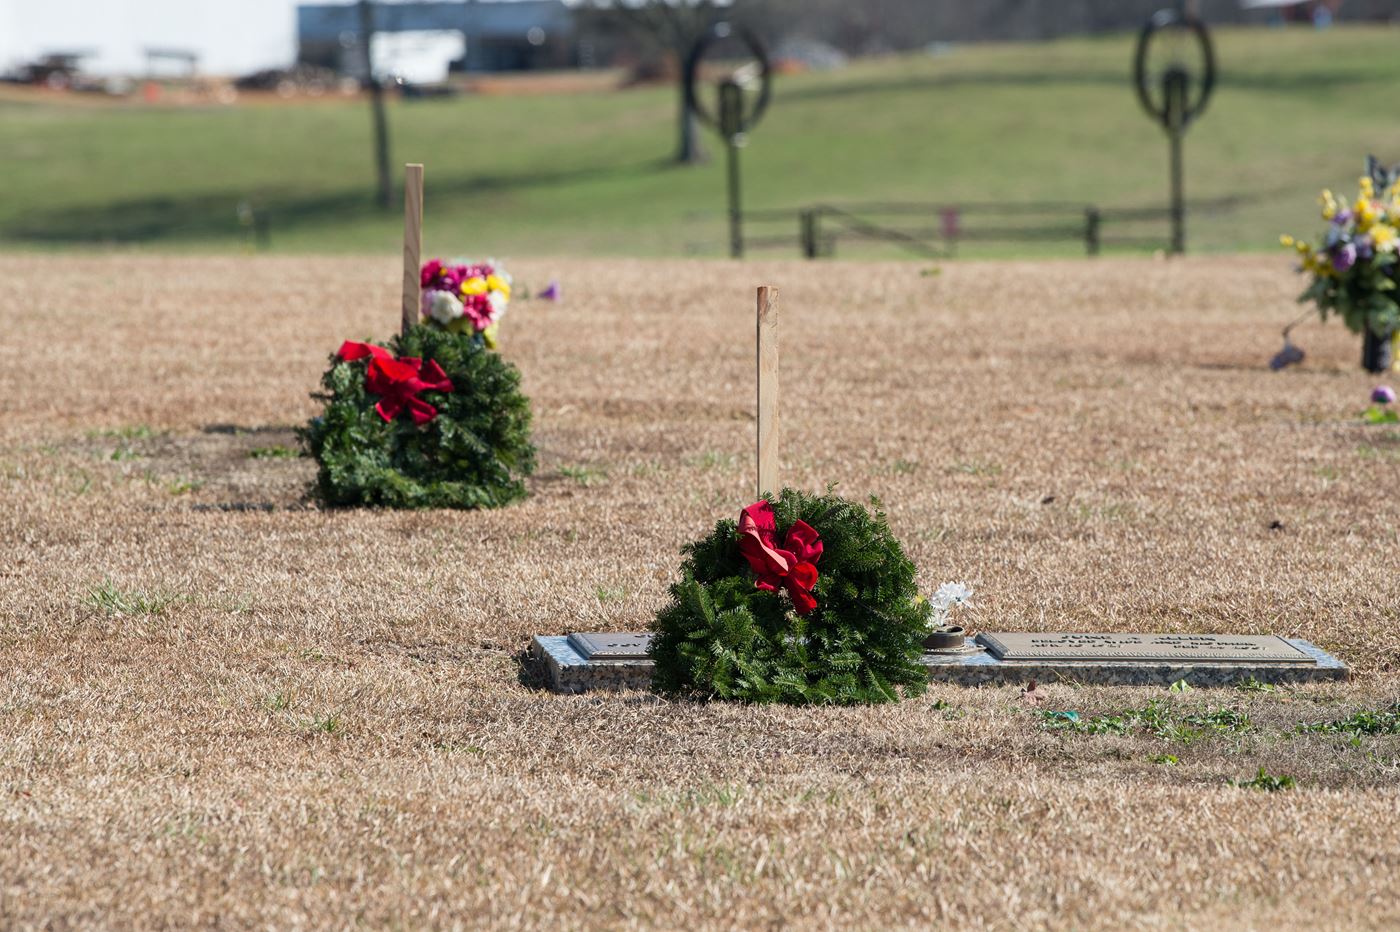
{"points": [[768, 391], [412, 242]]}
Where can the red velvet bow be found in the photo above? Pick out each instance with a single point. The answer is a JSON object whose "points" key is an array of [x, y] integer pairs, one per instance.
{"points": [[791, 566], [397, 382]]}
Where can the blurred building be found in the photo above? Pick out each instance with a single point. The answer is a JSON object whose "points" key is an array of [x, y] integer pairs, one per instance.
{"points": [[130, 38], [415, 39]]}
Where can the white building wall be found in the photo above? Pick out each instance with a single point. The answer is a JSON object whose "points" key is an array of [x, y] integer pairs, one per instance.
{"points": [[231, 36]]}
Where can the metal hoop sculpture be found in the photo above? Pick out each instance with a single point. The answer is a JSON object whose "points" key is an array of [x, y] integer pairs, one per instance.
{"points": [[1173, 19], [732, 128]]}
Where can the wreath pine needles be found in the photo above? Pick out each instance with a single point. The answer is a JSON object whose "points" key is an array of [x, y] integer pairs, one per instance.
{"points": [[722, 637], [475, 453]]}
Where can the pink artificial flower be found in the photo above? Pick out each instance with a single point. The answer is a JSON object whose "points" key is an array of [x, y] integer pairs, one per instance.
{"points": [[477, 308], [429, 272]]}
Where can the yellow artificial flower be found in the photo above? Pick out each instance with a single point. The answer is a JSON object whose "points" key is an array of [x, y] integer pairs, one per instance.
{"points": [[1328, 204], [1316, 265], [1286, 240], [1367, 213], [474, 286], [1384, 237], [496, 283], [1368, 187]]}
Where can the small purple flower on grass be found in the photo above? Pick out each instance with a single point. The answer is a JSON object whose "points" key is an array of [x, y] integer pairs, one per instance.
{"points": [[551, 293], [1383, 395], [1290, 355], [1344, 257]]}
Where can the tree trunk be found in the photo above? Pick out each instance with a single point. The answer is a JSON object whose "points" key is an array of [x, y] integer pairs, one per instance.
{"points": [[383, 191], [689, 151]]}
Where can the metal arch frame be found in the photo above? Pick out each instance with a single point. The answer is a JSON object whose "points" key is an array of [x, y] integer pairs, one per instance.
{"points": [[1164, 19], [716, 32]]}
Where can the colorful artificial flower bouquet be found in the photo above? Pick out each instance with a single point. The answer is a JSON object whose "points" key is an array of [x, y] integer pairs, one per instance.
{"points": [[1354, 268], [465, 297]]}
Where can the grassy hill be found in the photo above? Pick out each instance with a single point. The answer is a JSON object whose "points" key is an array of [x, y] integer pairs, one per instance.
{"points": [[586, 173]]}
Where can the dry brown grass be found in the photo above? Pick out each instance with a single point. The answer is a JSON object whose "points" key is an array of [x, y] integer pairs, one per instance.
{"points": [[286, 716]]}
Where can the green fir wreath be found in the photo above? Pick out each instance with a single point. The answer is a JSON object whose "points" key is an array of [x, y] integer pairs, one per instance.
{"points": [[473, 451], [722, 636]]}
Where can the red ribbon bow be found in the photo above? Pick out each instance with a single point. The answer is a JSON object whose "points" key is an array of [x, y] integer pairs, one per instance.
{"points": [[791, 566], [397, 382]]}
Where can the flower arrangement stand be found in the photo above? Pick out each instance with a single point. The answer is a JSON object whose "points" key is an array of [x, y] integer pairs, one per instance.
{"points": [[585, 661]]}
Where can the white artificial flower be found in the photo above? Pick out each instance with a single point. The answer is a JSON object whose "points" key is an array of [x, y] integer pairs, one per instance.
{"points": [[498, 305], [442, 306], [950, 594]]}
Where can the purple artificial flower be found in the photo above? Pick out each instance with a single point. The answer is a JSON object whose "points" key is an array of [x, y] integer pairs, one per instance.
{"points": [[1290, 355], [1364, 248], [1344, 257], [1342, 217], [551, 293], [1383, 395]]}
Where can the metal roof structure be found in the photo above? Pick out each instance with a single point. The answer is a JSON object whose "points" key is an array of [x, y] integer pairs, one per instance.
{"points": [[484, 19]]}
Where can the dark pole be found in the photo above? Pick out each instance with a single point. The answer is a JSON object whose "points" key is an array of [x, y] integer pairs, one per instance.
{"points": [[1175, 93], [809, 233], [731, 106], [1092, 221], [384, 196]]}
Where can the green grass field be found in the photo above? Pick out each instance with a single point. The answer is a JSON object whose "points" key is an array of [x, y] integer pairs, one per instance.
{"points": [[587, 174]]}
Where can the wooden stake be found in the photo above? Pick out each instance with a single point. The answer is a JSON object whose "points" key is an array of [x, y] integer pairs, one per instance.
{"points": [[412, 241], [767, 390]]}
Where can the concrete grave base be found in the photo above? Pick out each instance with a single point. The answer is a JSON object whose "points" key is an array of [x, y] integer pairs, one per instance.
{"points": [[568, 670]]}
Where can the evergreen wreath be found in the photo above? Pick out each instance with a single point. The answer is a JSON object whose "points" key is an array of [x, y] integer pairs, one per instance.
{"points": [[767, 614], [455, 434]]}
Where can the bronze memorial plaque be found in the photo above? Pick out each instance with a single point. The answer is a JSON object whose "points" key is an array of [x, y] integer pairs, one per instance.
{"points": [[1150, 648], [611, 645]]}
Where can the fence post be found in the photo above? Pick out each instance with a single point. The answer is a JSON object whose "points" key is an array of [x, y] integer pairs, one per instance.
{"points": [[950, 220], [810, 235], [1092, 220]]}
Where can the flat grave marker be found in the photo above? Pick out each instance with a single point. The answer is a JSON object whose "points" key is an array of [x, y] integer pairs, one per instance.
{"points": [[1163, 648], [619, 645]]}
